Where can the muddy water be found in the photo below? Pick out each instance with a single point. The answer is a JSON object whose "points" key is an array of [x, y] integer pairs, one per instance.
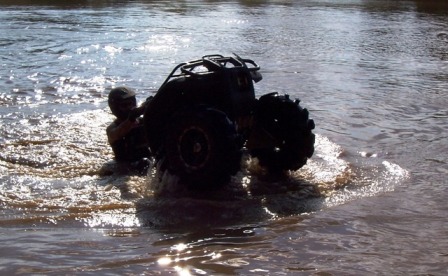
{"points": [[372, 200]]}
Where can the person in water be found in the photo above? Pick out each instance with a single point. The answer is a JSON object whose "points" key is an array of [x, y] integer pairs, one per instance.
{"points": [[126, 133]]}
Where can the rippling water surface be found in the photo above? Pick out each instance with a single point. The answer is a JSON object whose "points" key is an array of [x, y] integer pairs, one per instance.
{"points": [[372, 200]]}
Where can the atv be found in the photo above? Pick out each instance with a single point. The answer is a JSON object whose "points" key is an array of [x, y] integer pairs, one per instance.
{"points": [[206, 114]]}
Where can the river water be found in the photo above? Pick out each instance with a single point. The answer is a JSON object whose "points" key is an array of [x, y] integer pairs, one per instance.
{"points": [[372, 199]]}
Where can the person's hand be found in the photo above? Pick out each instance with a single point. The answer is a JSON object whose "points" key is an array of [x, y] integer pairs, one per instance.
{"points": [[134, 114], [146, 102], [138, 111]]}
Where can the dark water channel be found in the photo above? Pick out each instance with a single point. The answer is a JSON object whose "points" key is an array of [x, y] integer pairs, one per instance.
{"points": [[371, 201]]}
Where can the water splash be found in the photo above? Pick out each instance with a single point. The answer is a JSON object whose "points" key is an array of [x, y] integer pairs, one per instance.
{"points": [[62, 175]]}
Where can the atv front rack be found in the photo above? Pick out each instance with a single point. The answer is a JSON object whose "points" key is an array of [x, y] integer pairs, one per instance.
{"points": [[213, 63]]}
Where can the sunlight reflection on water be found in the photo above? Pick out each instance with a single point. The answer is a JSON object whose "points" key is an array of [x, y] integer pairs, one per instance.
{"points": [[80, 155], [373, 74]]}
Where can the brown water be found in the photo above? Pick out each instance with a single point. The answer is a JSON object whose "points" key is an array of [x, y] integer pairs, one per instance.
{"points": [[372, 200]]}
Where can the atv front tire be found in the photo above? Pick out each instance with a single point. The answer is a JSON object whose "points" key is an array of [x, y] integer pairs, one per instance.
{"points": [[202, 148], [289, 127]]}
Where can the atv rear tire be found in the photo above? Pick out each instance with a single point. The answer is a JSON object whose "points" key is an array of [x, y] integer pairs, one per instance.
{"points": [[202, 148], [290, 127]]}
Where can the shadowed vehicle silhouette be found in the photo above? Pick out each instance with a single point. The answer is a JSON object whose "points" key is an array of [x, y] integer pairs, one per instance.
{"points": [[206, 113]]}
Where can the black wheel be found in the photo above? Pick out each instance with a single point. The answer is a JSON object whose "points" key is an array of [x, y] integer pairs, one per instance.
{"points": [[202, 148], [291, 130]]}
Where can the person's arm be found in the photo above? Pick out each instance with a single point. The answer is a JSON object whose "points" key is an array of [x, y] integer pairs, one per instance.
{"points": [[117, 131]]}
